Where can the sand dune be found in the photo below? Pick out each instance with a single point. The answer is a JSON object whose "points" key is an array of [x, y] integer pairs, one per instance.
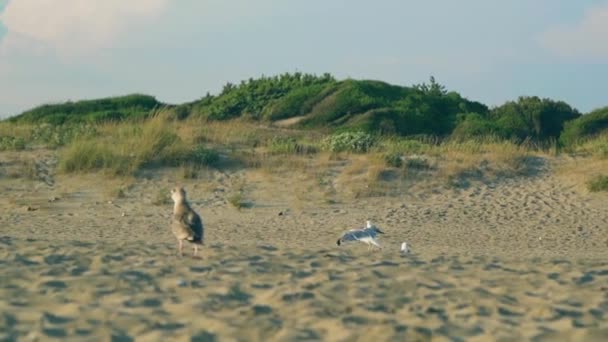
{"points": [[523, 259]]}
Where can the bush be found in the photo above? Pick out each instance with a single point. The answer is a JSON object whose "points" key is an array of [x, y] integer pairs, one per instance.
{"points": [[599, 183], [204, 156], [12, 143], [474, 125], [417, 163], [350, 141], [393, 159], [532, 117], [252, 97], [585, 127]]}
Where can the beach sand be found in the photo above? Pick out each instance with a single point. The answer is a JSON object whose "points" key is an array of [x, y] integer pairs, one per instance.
{"points": [[518, 259]]}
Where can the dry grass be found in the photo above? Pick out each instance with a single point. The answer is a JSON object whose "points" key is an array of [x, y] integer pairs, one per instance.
{"points": [[192, 145], [24, 168], [597, 147], [17, 131], [125, 148], [579, 171]]}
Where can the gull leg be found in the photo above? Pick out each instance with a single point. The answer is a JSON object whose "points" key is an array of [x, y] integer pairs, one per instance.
{"points": [[375, 243], [195, 250], [181, 247]]}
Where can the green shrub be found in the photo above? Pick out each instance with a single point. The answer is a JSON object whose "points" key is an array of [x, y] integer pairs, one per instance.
{"points": [[599, 183], [204, 156], [585, 127], [532, 117], [474, 125], [12, 143], [358, 142], [417, 163], [252, 97], [393, 159]]}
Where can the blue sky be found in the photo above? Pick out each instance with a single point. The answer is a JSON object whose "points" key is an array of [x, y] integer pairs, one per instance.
{"points": [[487, 50]]}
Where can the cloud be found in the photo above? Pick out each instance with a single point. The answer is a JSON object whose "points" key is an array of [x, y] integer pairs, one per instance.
{"points": [[73, 27], [586, 40]]}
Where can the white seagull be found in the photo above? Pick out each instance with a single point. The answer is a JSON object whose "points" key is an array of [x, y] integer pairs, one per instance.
{"points": [[366, 235], [405, 248]]}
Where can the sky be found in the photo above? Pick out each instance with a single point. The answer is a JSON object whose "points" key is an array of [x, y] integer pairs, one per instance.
{"points": [[490, 51]]}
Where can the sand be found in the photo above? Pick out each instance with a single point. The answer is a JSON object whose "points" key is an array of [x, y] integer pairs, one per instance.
{"points": [[518, 259]]}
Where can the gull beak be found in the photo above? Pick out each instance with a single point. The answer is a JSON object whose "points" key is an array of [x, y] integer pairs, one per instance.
{"points": [[379, 231]]}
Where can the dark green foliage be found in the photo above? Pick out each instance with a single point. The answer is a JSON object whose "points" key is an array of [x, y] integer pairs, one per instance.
{"points": [[297, 102], [111, 115], [251, 97], [367, 106], [532, 117], [475, 125], [585, 126], [350, 98], [421, 110], [107, 109], [181, 112]]}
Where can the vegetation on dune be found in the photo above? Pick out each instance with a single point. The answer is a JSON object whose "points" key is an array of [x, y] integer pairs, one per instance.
{"points": [[598, 183], [127, 148], [21, 136], [322, 103], [532, 117], [92, 111], [585, 127], [368, 133], [255, 98]]}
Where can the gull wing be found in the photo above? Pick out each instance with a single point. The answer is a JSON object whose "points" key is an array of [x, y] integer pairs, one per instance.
{"points": [[188, 226], [354, 235]]}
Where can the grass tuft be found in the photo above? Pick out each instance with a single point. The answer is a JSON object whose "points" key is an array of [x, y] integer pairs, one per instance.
{"points": [[598, 183]]}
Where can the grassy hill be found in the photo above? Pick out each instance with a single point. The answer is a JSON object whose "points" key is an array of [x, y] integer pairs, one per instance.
{"points": [[99, 110], [310, 101]]}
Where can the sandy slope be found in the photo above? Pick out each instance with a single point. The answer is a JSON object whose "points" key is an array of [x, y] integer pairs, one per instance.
{"points": [[520, 259]]}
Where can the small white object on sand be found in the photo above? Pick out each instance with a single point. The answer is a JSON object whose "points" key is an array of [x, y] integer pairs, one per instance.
{"points": [[404, 248]]}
